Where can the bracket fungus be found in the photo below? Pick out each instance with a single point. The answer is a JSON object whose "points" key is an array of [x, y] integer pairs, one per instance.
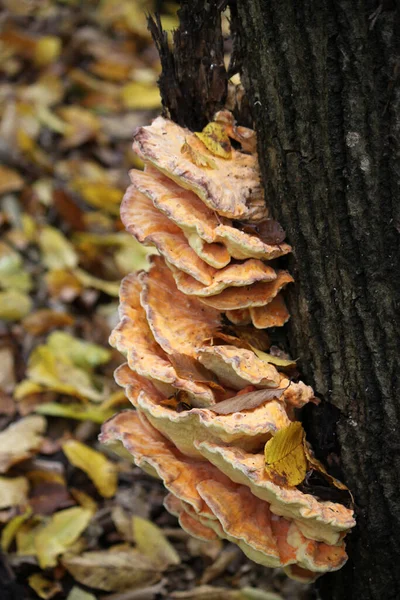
{"points": [[207, 397]]}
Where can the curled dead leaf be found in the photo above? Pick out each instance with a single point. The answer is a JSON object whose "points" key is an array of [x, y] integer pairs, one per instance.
{"points": [[248, 401]]}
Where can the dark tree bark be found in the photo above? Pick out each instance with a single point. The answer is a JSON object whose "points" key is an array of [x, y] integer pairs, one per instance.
{"points": [[323, 84]]}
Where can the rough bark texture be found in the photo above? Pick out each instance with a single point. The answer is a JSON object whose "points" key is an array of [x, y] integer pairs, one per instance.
{"points": [[323, 82]]}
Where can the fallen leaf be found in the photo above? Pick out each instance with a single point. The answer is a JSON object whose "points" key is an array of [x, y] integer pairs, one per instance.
{"points": [[151, 542], [246, 401], [63, 285], [47, 50], [189, 368], [137, 95], [43, 587], [316, 465], [43, 320], [14, 305], [13, 275], [285, 458], [61, 531], [48, 492], [112, 570], [269, 231], [196, 157], [10, 180], [84, 499], [99, 194], [59, 374], [83, 354], [108, 287], [13, 491], [83, 125], [216, 140], [10, 530], [21, 440], [57, 251], [78, 594], [282, 363], [101, 471], [85, 412]]}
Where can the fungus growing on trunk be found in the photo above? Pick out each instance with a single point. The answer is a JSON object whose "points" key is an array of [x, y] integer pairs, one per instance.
{"points": [[207, 397]]}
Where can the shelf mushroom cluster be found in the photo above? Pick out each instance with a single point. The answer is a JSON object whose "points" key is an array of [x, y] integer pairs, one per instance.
{"points": [[181, 364]]}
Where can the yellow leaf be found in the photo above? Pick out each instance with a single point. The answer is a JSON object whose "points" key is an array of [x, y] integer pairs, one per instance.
{"points": [[61, 375], [25, 536], [274, 360], [151, 542], [112, 570], [285, 459], [44, 319], [80, 412], [13, 491], [57, 251], [62, 530], [196, 157], [216, 140], [83, 125], [26, 388], [84, 499], [20, 440], [63, 284], [108, 287], [14, 305], [43, 587], [47, 50], [81, 353], [12, 273], [10, 530], [99, 194], [101, 471], [137, 95]]}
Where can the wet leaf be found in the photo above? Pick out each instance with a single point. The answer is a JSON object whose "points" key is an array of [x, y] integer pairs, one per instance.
{"points": [[20, 440], [216, 140], [43, 587], [112, 570], [61, 531], [101, 471], [285, 458], [14, 305], [246, 401], [151, 542], [13, 491]]}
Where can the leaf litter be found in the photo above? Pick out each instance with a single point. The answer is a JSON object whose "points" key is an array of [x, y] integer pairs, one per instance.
{"points": [[77, 79]]}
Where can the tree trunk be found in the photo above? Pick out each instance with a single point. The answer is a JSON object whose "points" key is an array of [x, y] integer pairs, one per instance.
{"points": [[323, 84]]}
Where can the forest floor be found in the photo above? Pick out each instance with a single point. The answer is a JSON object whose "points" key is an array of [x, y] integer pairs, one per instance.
{"points": [[76, 521]]}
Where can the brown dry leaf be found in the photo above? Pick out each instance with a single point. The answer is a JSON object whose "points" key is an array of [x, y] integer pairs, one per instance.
{"points": [[83, 125], [317, 465], [21, 440], [63, 285], [216, 140], [101, 471], [151, 542], [189, 368], [59, 533], [43, 320], [112, 570], [43, 587], [10, 180], [269, 231], [48, 492], [285, 457], [248, 401], [13, 491]]}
